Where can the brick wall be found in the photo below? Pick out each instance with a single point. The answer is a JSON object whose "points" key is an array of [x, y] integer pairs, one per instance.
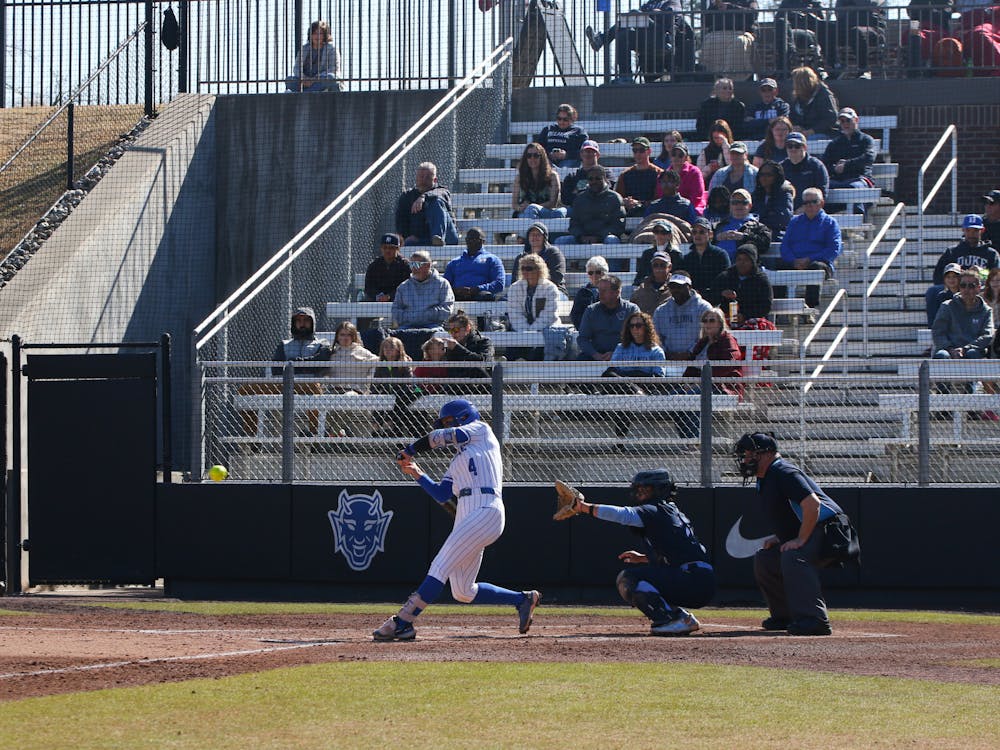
{"points": [[978, 153]]}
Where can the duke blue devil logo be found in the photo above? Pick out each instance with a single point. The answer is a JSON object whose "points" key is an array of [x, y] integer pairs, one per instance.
{"points": [[359, 528]]}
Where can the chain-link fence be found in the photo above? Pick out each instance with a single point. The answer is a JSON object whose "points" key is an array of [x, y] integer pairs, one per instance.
{"points": [[902, 422]]}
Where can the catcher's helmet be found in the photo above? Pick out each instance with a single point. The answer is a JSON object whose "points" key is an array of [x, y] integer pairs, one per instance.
{"points": [[456, 412], [658, 479]]}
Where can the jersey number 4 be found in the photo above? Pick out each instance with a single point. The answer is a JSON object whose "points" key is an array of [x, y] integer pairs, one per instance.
{"points": [[472, 467]]}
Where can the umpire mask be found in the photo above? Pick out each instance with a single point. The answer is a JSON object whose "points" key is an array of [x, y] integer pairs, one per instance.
{"points": [[756, 443]]}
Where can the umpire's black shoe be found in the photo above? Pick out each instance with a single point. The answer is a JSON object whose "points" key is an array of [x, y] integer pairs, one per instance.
{"points": [[809, 626], [775, 623]]}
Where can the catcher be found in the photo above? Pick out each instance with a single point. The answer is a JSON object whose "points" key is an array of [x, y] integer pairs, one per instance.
{"points": [[672, 569]]}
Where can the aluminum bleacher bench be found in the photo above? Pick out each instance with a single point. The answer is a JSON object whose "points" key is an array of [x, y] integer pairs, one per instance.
{"points": [[907, 404], [619, 128], [354, 310]]}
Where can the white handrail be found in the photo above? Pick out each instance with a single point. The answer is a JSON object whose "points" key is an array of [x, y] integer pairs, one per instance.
{"points": [[949, 171], [822, 320], [351, 194], [897, 211]]}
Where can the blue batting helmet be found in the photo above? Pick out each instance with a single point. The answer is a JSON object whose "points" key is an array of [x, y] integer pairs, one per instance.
{"points": [[460, 412]]}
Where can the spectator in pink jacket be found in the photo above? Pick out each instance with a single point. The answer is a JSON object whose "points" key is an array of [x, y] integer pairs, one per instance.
{"points": [[692, 183]]}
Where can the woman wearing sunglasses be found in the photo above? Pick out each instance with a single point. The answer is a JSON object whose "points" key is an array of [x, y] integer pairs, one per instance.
{"points": [[563, 140], [536, 188]]}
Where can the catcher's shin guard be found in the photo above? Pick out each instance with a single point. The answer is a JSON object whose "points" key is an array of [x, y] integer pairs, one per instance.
{"points": [[643, 597]]}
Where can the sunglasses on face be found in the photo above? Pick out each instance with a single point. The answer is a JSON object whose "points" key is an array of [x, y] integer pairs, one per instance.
{"points": [[739, 202], [533, 155], [528, 269], [414, 264], [793, 145], [639, 149], [636, 324], [659, 265], [455, 329], [595, 273], [810, 202], [969, 285]]}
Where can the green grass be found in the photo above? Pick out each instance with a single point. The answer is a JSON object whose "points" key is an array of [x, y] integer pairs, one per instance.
{"points": [[382, 704], [987, 663], [319, 608], [5, 612]]}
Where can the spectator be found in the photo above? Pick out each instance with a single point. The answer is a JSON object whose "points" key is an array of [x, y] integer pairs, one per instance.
{"points": [[963, 327], [576, 183], [715, 155], [933, 23], [746, 285], [814, 107], [423, 214], [664, 45], [597, 268], [692, 185], [717, 344], [758, 118], [739, 173], [536, 191], [678, 320], [991, 218], [671, 203], [317, 64], [742, 226], [663, 242], [598, 213], [425, 300], [971, 251], [532, 305], [991, 293], [812, 241], [804, 37], [775, 141], [861, 25], [637, 184], [600, 328], [563, 140], [802, 170], [773, 198], [387, 272], [394, 363], [721, 105], [717, 210], [303, 346], [434, 350], [351, 361], [947, 290], [475, 275], [639, 343], [653, 291], [705, 260], [981, 34], [670, 139], [466, 344], [538, 244], [850, 155], [727, 46]]}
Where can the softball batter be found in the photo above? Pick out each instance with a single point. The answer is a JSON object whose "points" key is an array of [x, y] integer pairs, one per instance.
{"points": [[475, 478]]}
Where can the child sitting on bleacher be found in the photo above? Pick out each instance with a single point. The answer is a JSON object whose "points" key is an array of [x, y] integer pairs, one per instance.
{"points": [[394, 363], [434, 350]]}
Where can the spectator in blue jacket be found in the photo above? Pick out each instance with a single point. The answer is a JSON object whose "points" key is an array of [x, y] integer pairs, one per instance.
{"points": [[475, 274], [850, 155], [772, 199], [562, 141], [802, 170], [672, 203], [760, 114], [601, 327], [812, 241]]}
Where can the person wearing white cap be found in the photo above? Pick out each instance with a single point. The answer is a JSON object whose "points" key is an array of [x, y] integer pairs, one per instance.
{"points": [[678, 320], [770, 106], [802, 170], [850, 155], [576, 183]]}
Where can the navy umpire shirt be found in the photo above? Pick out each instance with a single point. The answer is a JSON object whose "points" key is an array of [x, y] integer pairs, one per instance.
{"points": [[781, 491]]}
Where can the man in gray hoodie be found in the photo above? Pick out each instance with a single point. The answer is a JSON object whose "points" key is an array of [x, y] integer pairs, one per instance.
{"points": [[425, 300], [303, 346], [963, 327], [678, 320]]}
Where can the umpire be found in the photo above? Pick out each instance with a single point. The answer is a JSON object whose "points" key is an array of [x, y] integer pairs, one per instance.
{"points": [[672, 570], [787, 568]]}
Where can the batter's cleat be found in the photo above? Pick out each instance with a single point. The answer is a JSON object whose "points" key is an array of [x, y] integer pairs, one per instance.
{"points": [[683, 624], [525, 610], [775, 623], [809, 626], [395, 629]]}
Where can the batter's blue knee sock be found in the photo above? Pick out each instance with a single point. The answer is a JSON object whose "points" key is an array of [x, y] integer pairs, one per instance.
{"points": [[490, 594], [430, 589]]}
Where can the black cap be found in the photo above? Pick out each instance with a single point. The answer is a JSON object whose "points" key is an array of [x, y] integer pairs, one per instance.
{"points": [[390, 239], [701, 221], [992, 197], [756, 441]]}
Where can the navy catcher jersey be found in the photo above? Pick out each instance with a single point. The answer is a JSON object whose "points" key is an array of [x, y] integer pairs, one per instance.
{"points": [[668, 535]]}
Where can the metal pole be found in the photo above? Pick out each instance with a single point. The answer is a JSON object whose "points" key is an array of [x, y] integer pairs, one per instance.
{"points": [[452, 43], [864, 305], [497, 405], [3, 56], [920, 219], [924, 424], [183, 49], [288, 422], [954, 175], [166, 415], [70, 111], [13, 540], [706, 425], [149, 59], [197, 413]]}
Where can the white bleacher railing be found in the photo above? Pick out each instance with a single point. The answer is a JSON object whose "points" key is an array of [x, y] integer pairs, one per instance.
{"points": [[871, 285], [951, 132], [340, 205]]}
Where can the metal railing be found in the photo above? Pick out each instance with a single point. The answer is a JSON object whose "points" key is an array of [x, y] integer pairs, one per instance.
{"points": [[897, 212], [951, 132]]}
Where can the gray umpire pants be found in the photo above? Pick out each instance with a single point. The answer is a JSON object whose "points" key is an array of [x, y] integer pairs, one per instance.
{"points": [[790, 580]]}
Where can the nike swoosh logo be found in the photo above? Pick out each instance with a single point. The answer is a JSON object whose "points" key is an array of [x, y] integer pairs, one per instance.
{"points": [[739, 546]]}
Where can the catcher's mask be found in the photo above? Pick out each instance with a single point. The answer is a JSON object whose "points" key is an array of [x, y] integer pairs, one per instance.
{"points": [[658, 479], [757, 443], [456, 413]]}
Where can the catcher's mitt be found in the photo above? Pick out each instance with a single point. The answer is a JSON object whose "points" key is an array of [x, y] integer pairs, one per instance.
{"points": [[566, 498]]}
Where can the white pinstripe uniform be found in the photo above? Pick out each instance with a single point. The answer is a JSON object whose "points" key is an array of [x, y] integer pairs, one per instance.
{"points": [[476, 474]]}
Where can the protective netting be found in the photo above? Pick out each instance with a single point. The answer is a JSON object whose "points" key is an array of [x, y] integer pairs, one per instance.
{"points": [[881, 424]]}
